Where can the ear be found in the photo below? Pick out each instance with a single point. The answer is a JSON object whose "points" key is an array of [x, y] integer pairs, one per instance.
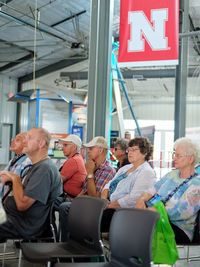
{"points": [[192, 159], [42, 143]]}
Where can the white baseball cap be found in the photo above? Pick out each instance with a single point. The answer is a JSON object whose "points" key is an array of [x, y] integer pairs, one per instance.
{"points": [[73, 138], [97, 141]]}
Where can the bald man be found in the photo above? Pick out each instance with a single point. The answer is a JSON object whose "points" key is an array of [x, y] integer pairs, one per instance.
{"points": [[28, 208]]}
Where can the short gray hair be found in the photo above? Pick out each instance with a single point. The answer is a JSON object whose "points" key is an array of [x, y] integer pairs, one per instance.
{"points": [[44, 134], [123, 143], [191, 148]]}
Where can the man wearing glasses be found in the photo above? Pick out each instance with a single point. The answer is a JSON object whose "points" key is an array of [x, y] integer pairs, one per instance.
{"points": [[99, 172], [73, 172], [28, 208]]}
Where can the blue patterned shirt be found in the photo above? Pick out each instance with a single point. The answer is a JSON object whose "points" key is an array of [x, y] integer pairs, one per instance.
{"points": [[19, 166], [182, 208]]}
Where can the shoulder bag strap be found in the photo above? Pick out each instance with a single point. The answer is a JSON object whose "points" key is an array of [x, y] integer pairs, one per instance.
{"points": [[170, 195]]}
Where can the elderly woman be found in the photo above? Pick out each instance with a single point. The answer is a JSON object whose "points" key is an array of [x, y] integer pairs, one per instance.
{"points": [[131, 181], [179, 190]]}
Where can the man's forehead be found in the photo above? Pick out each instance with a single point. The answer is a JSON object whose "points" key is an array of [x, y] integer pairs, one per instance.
{"points": [[33, 133], [18, 138]]}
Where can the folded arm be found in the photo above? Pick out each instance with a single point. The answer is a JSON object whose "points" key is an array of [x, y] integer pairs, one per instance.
{"points": [[23, 202]]}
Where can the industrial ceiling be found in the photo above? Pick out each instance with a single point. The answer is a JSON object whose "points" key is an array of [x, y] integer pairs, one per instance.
{"points": [[51, 37]]}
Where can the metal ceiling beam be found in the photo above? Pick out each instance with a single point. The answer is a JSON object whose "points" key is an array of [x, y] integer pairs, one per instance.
{"points": [[5, 2], [23, 22], [68, 18], [16, 62], [129, 74], [51, 68], [14, 45]]}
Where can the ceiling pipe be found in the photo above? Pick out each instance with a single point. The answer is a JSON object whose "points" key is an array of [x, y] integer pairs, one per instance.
{"points": [[189, 34], [41, 22], [14, 45], [16, 62], [130, 74], [68, 18], [23, 22]]}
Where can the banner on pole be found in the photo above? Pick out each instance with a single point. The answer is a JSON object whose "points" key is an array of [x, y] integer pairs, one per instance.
{"points": [[149, 33]]}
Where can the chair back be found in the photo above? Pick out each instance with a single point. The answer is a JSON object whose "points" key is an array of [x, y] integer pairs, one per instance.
{"points": [[49, 229], [84, 221], [131, 236], [196, 238]]}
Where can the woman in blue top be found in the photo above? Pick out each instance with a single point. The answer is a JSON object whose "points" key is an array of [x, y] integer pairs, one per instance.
{"points": [[179, 190]]}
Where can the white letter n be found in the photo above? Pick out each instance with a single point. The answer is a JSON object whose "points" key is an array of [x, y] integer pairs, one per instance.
{"points": [[141, 28]]}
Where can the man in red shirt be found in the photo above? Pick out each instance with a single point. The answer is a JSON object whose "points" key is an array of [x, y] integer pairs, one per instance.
{"points": [[73, 171]]}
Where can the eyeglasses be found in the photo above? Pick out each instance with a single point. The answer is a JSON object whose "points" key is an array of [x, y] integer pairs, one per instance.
{"points": [[116, 148], [178, 156], [132, 149], [66, 145]]}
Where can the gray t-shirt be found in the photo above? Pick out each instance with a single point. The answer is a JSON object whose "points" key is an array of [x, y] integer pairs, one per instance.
{"points": [[42, 183]]}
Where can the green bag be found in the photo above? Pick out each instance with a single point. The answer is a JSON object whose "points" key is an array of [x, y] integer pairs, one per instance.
{"points": [[164, 245]]}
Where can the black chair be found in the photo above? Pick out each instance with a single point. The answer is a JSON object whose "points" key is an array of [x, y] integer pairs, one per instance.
{"points": [[84, 242], [195, 241], [131, 233], [48, 234]]}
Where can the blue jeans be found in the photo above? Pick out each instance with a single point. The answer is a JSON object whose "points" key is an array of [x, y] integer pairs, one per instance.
{"points": [[63, 216]]}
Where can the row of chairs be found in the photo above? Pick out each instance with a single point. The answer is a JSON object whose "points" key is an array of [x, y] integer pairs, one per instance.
{"points": [[130, 238]]}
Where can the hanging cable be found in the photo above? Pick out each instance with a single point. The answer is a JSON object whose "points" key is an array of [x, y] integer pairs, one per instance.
{"points": [[34, 46]]}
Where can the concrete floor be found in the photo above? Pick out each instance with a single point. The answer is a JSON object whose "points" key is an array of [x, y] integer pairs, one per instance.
{"points": [[181, 263]]}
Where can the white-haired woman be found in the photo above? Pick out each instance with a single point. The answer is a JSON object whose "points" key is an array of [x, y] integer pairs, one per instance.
{"points": [[179, 190]]}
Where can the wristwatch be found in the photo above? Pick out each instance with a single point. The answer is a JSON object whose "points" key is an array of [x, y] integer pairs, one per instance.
{"points": [[90, 176]]}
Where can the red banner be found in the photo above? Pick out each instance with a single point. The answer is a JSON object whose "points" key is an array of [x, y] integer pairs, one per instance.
{"points": [[149, 32]]}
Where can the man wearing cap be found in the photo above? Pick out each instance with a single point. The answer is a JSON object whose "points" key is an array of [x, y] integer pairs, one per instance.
{"points": [[73, 171], [99, 172], [99, 169]]}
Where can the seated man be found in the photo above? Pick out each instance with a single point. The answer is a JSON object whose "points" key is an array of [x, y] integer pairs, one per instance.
{"points": [[99, 172], [20, 163], [28, 208], [99, 169], [20, 160], [73, 172]]}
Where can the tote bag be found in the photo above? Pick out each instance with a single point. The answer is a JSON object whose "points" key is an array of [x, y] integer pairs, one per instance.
{"points": [[164, 248]]}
